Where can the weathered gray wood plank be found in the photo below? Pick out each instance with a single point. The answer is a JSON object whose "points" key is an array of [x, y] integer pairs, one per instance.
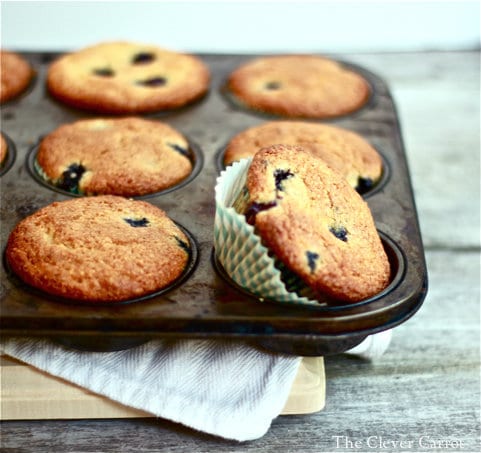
{"points": [[438, 100]]}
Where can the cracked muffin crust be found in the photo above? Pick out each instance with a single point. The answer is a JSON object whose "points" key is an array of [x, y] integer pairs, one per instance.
{"points": [[315, 223], [119, 156], [344, 150], [15, 74], [127, 78], [303, 86], [98, 249]]}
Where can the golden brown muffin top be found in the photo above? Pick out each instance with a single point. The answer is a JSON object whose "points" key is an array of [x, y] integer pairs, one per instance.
{"points": [[15, 75], [117, 156], [302, 86], [127, 78], [103, 248], [345, 151]]}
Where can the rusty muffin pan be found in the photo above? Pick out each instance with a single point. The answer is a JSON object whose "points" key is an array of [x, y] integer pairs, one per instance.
{"points": [[207, 303]]}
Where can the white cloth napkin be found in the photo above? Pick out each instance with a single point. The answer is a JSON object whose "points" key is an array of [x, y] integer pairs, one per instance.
{"points": [[224, 388], [374, 346]]}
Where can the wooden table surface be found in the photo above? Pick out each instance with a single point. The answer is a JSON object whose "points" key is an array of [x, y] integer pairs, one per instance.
{"points": [[424, 393]]}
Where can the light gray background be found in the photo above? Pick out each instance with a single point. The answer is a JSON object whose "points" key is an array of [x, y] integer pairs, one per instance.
{"points": [[245, 26]]}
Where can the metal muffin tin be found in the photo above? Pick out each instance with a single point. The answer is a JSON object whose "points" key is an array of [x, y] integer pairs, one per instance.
{"points": [[207, 304]]}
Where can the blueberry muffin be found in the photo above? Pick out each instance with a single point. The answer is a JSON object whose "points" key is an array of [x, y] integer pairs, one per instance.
{"points": [[119, 156], [15, 73], [302, 86], [315, 223], [127, 78], [343, 150], [98, 249]]}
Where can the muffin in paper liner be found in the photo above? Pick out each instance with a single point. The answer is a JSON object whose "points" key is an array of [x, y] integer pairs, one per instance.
{"points": [[240, 251]]}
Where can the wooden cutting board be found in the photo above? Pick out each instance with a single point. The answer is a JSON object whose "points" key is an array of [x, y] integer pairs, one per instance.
{"points": [[30, 394]]}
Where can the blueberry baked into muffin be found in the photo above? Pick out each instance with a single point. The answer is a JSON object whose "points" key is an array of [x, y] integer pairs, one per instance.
{"points": [[315, 223], [15, 74], [345, 151], [127, 78], [118, 156], [302, 86], [98, 249]]}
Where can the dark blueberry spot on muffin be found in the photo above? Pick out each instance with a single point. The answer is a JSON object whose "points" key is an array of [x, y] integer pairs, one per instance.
{"points": [[71, 177], [312, 258], [272, 85], [364, 184], [104, 72], [339, 232], [255, 208], [143, 222], [280, 176], [152, 82], [143, 57], [183, 245], [179, 149]]}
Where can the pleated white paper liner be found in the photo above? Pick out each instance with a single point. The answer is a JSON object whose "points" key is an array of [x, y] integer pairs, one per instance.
{"points": [[240, 250]]}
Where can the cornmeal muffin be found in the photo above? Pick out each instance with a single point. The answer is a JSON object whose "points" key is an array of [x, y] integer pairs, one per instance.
{"points": [[120, 156], [303, 86], [315, 223], [127, 78], [15, 73], [345, 151], [98, 249]]}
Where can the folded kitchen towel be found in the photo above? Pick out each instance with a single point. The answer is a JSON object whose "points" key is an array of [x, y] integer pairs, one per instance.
{"points": [[225, 388]]}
